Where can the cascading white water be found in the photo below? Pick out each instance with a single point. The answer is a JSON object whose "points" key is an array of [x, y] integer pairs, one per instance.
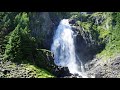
{"points": [[64, 49]]}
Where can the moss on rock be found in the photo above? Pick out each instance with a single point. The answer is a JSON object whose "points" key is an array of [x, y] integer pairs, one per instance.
{"points": [[10, 69]]}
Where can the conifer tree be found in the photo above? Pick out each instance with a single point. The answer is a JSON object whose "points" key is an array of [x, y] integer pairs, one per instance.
{"points": [[20, 45]]}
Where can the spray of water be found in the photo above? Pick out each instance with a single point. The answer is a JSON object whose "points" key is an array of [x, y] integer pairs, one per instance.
{"points": [[64, 50]]}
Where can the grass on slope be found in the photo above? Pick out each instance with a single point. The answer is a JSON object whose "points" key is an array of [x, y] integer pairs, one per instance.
{"points": [[40, 73]]}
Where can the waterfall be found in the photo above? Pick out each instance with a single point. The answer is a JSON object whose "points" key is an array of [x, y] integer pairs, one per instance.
{"points": [[64, 49]]}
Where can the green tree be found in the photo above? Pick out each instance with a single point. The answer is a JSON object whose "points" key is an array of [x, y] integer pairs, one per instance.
{"points": [[6, 26], [20, 45], [13, 49]]}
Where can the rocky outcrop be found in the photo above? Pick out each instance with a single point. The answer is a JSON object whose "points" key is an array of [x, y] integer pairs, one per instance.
{"points": [[86, 45], [46, 61]]}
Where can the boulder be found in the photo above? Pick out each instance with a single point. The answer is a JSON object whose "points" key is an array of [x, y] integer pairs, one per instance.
{"points": [[72, 21], [62, 72]]}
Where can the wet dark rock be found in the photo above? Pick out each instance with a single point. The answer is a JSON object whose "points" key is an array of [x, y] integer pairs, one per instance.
{"points": [[86, 45], [72, 21], [62, 71], [76, 76], [73, 76], [6, 71]]}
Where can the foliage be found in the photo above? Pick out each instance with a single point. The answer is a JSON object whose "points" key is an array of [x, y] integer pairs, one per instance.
{"points": [[6, 26], [13, 50], [113, 46], [85, 25], [20, 45]]}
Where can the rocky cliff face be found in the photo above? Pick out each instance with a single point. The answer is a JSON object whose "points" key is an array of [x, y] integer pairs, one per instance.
{"points": [[86, 46], [42, 28], [90, 38]]}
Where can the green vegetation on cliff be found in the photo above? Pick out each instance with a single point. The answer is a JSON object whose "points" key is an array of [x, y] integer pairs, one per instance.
{"points": [[101, 28], [112, 48]]}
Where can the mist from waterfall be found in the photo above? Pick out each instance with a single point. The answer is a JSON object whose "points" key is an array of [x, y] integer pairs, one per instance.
{"points": [[64, 49]]}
